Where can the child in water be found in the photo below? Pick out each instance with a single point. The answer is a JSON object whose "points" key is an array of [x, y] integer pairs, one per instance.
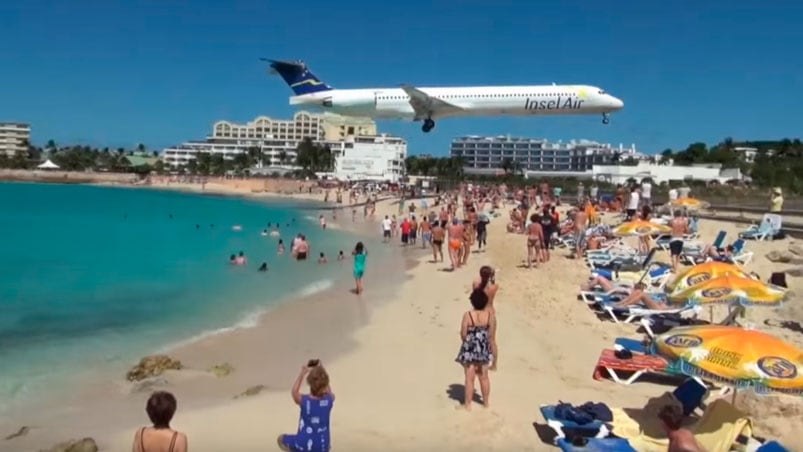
{"points": [[322, 259], [281, 247], [359, 254], [340, 256]]}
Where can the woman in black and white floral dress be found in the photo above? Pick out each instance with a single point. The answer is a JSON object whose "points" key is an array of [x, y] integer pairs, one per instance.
{"points": [[477, 330]]}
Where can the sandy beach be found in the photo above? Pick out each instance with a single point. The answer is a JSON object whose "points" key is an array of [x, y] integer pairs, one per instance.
{"points": [[390, 355]]}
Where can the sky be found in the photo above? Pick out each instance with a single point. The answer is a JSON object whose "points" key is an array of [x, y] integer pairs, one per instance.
{"points": [[118, 73]]}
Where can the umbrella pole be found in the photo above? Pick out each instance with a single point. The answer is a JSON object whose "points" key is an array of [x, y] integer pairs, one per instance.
{"points": [[711, 313]]}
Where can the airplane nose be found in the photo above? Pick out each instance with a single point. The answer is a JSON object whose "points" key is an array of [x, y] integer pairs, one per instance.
{"points": [[616, 103]]}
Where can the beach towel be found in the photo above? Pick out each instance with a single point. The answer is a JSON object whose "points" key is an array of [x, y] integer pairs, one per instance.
{"points": [[717, 430], [720, 426]]}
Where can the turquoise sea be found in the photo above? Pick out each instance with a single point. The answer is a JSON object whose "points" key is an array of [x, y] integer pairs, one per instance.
{"points": [[91, 276]]}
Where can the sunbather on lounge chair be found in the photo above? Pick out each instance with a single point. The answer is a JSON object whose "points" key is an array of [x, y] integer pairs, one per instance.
{"points": [[718, 254], [598, 281], [639, 296]]}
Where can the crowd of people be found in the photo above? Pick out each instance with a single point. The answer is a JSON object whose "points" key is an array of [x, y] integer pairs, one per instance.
{"points": [[459, 220]]}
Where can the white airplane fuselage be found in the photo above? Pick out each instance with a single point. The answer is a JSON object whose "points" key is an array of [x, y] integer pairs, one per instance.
{"points": [[394, 103]]}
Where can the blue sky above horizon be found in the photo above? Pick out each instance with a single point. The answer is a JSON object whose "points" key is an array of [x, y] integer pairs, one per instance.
{"points": [[119, 73]]}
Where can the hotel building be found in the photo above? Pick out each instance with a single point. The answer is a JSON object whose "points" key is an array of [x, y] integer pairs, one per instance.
{"points": [[377, 158], [14, 137], [275, 137], [537, 155]]}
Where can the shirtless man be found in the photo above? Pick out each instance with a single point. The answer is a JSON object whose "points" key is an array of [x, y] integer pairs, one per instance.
{"points": [[535, 240], [444, 217], [438, 236], [580, 223], [680, 226], [455, 231]]}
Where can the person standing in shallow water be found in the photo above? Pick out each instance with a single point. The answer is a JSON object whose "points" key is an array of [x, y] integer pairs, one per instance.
{"points": [[360, 254], [161, 407]]}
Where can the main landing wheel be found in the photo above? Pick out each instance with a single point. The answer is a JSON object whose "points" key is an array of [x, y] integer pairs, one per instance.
{"points": [[605, 118], [428, 125]]}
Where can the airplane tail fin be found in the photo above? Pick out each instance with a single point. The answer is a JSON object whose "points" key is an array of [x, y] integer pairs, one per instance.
{"points": [[298, 76]]}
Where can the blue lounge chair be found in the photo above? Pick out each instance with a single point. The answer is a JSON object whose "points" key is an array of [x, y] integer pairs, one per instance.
{"points": [[772, 446], [597, 445], [692, 254], [770, 226], [655, 274], [634, 345]]}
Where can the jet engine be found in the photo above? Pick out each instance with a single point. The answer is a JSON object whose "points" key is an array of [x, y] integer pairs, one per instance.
{"points": [[354, 103]]}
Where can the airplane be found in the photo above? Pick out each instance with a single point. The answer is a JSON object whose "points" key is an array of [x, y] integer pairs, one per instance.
{"points": [[429, 104]]}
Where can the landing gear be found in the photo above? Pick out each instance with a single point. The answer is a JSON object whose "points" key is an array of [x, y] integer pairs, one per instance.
{"points": [[605, 118], [429, 124]]}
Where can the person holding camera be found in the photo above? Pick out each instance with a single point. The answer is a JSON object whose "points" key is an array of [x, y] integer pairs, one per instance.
{"points": [[315, 410]]}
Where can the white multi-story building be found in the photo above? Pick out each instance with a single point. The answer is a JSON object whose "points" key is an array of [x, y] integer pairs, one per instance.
{"points": [[375, 157], [14, 137], [276, 138], [486, 154]]}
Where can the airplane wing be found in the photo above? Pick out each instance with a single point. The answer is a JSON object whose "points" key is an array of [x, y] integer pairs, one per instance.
{"points": [[426, 106]]}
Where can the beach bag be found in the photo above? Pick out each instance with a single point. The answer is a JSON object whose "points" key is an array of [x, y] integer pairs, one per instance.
{"points": [[778, 279]]}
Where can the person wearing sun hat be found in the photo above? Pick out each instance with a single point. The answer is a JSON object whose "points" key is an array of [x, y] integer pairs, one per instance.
{"points": [[776, 200]]}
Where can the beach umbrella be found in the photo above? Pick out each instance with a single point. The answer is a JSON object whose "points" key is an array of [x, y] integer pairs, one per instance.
{"points": [[640, 228], [703, 272], [742, 358], [731, 288], [690, 203]]}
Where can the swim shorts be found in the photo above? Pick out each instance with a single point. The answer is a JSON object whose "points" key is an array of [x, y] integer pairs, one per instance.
{"points": [[675, 247]]}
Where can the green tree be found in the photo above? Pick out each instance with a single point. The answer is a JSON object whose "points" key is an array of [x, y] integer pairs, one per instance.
{"points": [[313, 157], [284, 157], [666, 157]]}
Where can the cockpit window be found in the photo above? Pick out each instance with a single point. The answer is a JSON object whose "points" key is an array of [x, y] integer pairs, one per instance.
{"points": [[602, 91]]}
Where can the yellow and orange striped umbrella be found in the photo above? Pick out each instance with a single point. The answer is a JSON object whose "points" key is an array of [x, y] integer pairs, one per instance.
{"points": [[640, 228], [691, 203], [703, 272], [739, 357], [731, 288]]}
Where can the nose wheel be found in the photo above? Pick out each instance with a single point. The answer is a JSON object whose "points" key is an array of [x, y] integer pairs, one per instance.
{"points": [[606, 118], [429, 124]]}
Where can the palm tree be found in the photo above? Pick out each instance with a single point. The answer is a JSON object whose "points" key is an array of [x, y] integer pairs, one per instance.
{"points": [[507, 165]]}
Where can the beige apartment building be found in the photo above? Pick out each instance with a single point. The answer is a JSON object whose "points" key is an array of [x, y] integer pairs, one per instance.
{"points": [[275, 137], [14, 137]]}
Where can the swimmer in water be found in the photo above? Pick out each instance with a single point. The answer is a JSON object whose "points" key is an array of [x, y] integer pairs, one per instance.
{"points": [[264, 232], [241, 260], [263, 267], [280, 249], [233, 259], [322, 259], [340, 256]]}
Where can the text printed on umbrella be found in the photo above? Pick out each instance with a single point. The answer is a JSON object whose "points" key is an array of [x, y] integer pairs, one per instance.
{"points": [[777, 367]]}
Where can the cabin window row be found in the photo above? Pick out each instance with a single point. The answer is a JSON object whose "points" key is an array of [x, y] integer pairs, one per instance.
{"points": [[463, 96]]}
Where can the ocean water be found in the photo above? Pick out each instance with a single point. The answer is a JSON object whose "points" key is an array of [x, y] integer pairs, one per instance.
{"points": [[93, 276]]}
